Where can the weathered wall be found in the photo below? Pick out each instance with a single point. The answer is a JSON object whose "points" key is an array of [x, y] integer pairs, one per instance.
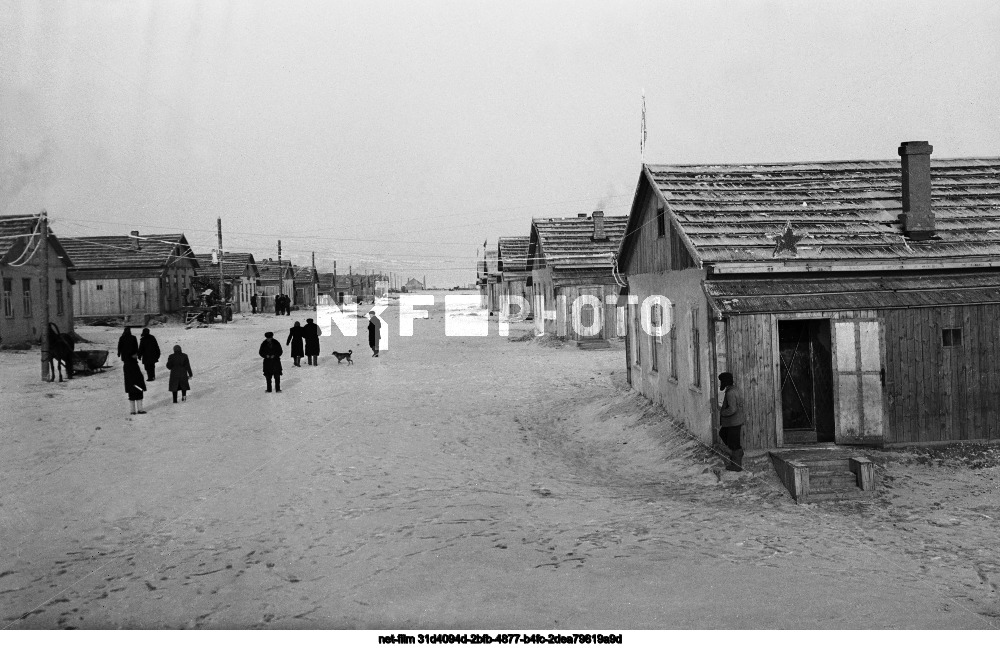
{"points": [[673, 385], [28, 326]]}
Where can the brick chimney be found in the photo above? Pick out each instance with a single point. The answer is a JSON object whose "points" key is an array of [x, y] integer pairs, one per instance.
{"points": [[599, 234], [917, 217], [135, 239], [581, 215]]}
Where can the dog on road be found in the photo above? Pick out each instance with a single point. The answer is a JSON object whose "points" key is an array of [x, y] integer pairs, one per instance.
{"points": [[344, 356]]}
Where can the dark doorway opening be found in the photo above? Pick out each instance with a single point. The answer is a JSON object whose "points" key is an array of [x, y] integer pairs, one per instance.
{"points": [[806, 381]]}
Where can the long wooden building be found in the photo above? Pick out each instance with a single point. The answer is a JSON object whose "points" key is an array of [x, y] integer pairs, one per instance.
{"points": [[21, 275], [854, 302], [570, 258], [130, 276]]}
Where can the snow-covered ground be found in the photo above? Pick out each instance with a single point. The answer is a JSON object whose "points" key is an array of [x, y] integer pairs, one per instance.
{"points": [[453, 482]]}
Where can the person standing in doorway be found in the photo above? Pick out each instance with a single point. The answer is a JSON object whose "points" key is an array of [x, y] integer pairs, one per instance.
{"points": [[731, 419], [135, 386], [149, 353], [295, 339], [310, 333], [270, 350], [253, 304], [180, 371], [374, 332]]}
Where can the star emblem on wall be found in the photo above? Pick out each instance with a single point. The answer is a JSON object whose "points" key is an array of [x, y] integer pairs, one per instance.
{"points": [[786, 241]]}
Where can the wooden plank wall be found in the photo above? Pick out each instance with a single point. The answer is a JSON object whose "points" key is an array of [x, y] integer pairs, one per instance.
{"points": [[751, 361], [651, 252], [938, 394]]}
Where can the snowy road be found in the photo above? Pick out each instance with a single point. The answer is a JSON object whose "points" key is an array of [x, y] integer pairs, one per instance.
{"points": [[450, 483]]}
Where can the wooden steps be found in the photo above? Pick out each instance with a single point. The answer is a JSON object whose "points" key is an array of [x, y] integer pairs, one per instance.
{"points": [[824, 473], [588, 345]]}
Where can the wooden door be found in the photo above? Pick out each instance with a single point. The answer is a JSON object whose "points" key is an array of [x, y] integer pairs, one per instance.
{"points": [[590, 315], [859, 382]]}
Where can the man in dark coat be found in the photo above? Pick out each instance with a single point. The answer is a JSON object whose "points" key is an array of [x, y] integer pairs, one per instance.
{"points": [[277, 304], [295, 339], [270, 350], [135, 386], [731, 418], [149, 353], [128, 346], [287, 301], [253, 304], [310, 333], [180, 371], [374, 332]]}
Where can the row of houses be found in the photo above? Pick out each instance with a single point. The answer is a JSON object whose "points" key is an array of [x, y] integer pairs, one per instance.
{"points": [[135, 276], [855, 302]]}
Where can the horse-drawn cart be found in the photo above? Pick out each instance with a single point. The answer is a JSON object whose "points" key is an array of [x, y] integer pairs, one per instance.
{"points": [[89, 361]]}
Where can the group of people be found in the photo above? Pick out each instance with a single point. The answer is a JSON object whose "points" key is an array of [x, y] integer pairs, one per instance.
{"points": [[282, 305], [147, 350], [304, 340]]}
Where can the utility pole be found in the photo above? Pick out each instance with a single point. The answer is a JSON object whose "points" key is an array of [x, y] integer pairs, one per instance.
{"points": [[222, 278], [336, 293], [315, 285], [46, 351]]}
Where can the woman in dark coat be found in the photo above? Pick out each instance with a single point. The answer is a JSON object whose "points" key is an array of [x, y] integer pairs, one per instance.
{"points": [[295, 335], [374, 333], [270, 350], [127, 344], [149, 353], [310, 333], [134, 384], [180, 371]]}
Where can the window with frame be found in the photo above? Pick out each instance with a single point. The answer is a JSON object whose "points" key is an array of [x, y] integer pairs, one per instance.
{"points": [[951, 337], [695, 349], [661, 222], [638, 334], [8, 299], [100, 286], [26, 288], [673, 342], [59, 297], [655, 319]]}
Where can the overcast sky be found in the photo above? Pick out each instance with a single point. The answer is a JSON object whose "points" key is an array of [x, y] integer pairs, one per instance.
{"points": [[398, 136]]}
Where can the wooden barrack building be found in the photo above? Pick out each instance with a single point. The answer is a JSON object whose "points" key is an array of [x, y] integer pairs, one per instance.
{"points": [[854, 302]]}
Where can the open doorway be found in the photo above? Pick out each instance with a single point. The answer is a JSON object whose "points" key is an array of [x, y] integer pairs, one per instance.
{"points": [[806, 381]]}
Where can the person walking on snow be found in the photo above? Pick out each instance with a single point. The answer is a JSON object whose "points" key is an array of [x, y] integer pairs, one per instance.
{"points": [[731, 418], [311, 333], [134, 384], [374, 332], [295, 339], [180, 371], [149, 353], [127, 344], [270, 350]]}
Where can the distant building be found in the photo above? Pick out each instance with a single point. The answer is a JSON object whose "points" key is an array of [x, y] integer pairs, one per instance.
{"points": [[240, 275], [413, 284], [130, 276], [572, 266], [306, 282], [856, 303], [275, 279], [21, 274], [513, 275]]}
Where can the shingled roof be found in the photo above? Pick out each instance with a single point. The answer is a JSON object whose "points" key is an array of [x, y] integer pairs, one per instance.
{"points": [[306, 274], [18, 231], [270, 270], [512, 253], [153, 253], [234, 264], [569, 244], [839, 213]]}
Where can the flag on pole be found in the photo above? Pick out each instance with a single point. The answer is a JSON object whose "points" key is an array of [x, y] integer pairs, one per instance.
{"points": [[642, 139]]}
